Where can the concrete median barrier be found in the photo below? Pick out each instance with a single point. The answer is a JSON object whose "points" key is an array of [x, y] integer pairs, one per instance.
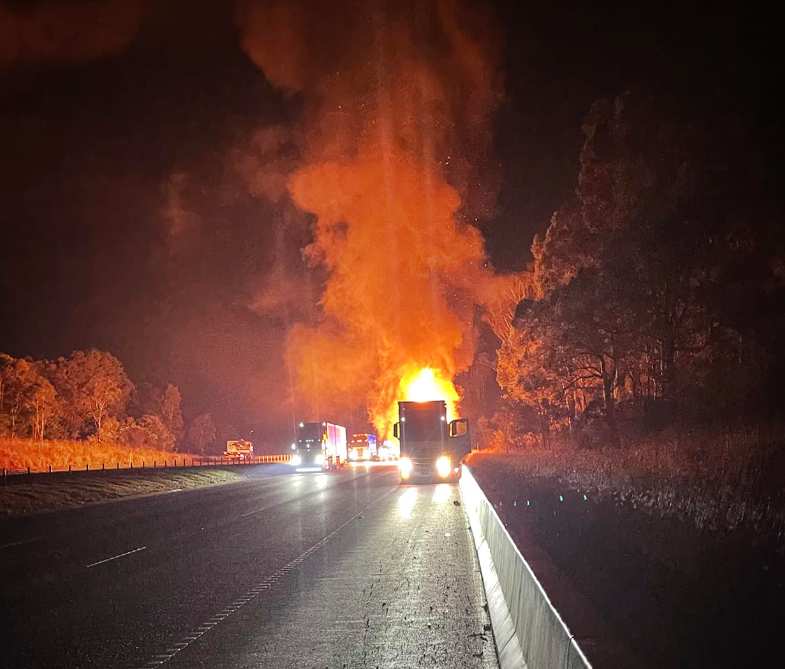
{"points": [[529, 630]]}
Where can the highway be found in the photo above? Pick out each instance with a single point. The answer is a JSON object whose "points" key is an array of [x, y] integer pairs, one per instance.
{"points": [[284, 569]]}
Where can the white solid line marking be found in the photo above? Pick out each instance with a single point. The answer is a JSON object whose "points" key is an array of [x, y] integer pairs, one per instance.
{"points": [[20, 543], [114, 557]]}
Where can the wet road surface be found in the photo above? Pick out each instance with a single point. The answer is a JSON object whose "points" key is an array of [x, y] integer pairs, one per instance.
{"points": [[283, 570]]}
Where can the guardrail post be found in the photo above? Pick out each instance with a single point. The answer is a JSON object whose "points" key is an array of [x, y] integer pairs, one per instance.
{"points": [[69, 468], [131, 463], [5, 476], [103, 466], [50, 469], [164, 464], [87, 466], [155, 464], [118, 465]]}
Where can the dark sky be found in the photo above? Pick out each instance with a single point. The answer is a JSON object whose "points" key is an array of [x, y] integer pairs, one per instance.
{"points": [[125, 225]]}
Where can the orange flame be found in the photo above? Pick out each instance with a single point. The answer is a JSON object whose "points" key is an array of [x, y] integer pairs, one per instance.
{"points": [[425, 384]]}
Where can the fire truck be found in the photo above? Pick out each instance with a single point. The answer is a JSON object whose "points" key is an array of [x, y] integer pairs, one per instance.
{"points": [[239, 449], [363, 447], [319, 445], [431, 448]]}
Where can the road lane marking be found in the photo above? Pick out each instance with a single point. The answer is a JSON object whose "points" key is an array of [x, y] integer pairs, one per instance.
{"points": [[250, 513], [114, 557], [19, 543], [261, 586]]}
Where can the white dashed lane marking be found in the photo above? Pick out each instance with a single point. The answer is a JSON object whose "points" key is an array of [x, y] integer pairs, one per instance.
{"points": [[19, 543], [115, 557]]}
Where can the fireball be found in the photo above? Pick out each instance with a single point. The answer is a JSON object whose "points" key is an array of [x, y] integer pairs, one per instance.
{"points": [[424, 384], [428, 384]]}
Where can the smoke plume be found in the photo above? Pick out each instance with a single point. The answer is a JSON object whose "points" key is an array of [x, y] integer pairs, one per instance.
{"points": [[66, 32], [398, 99]]}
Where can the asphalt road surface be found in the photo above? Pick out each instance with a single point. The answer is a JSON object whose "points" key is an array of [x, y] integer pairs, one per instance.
{"points": [[283, 570]]}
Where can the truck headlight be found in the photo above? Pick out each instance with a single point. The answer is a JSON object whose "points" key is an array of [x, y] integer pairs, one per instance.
{"points": [[296, 460], [443, 466], [319, 459], [352, 455], [405, 467]]}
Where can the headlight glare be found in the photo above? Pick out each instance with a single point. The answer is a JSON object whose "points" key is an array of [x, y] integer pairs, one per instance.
{"points": [[443, 466], [296, 460]]}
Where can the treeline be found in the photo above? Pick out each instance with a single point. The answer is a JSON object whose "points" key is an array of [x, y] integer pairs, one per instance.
{"points": [[88, 395], [657, 294]]}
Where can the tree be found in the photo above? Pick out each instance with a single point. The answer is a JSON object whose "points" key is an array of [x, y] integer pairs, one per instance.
{"points": [[20, 379], [575, 340], [201, 433], [628, 271], [146, 399], [171, 413], [94, 386], [44, 406], [156, 434]]}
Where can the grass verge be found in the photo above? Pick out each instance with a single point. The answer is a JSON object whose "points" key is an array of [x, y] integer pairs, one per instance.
{"points": [[715, 481], [19, 454], [58, 492]]}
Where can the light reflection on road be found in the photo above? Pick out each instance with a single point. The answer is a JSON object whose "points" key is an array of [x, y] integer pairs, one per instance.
{"points": [[406, 503], [442, 493]]}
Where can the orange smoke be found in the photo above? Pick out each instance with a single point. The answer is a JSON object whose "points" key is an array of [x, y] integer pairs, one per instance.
{"points": [[396, 139], [73, 32]]}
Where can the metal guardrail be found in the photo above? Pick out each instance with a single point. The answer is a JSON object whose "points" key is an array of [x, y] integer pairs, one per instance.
{"points": [[544, 639], [175, 463]]}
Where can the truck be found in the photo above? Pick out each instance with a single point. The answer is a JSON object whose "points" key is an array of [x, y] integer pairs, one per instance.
{"points": [[239, 449], [388, 450], [363, 447], [431, 448], [319, 445]]}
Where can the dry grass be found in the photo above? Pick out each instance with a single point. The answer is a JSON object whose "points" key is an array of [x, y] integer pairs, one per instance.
{"points": [[730, 480], [19, 454], [47, 494]]}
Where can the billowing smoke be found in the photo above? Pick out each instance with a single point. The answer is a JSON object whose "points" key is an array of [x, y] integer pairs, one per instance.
{"points": [[398, 98], [32, 33]]}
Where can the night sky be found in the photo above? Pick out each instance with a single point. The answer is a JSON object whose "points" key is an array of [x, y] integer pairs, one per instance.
{"points": [[127, 224]]}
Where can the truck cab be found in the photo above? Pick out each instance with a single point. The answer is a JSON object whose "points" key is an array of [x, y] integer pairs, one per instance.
{"points": [[431, 448], [319, 446]]}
